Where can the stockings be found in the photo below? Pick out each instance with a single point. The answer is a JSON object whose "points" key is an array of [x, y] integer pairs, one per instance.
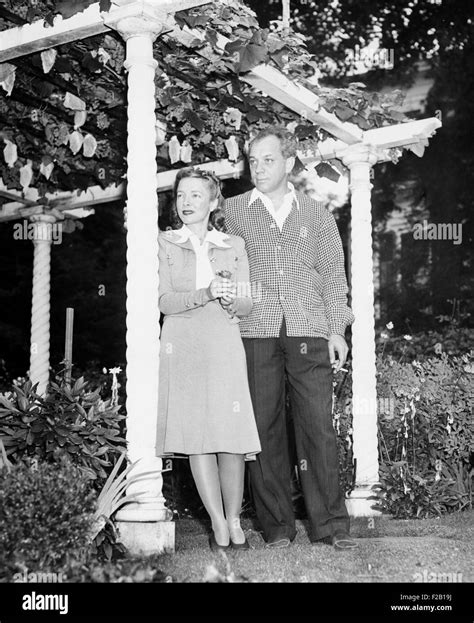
{"points": [[220, 483]]}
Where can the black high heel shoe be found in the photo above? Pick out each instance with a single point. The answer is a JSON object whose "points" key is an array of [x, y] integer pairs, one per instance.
{"points": [[241, 546], [214, 545]]}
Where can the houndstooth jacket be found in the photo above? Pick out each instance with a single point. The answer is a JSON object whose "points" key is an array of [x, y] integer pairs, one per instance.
{"points": [[297, 273]]}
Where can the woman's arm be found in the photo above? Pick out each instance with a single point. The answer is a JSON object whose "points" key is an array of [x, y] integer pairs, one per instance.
{"points": [[170, 301]]}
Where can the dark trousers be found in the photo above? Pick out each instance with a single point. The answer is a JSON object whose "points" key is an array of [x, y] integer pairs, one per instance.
{"points": [[306, 362]]}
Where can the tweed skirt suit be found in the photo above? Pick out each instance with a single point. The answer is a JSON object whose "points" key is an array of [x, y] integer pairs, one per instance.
{"points": [[204, 399]]}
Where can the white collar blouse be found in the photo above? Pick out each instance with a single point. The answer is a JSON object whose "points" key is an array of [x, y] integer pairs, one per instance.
{"points": [[204, 272]]}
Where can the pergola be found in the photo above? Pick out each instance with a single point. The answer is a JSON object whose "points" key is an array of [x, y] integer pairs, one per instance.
{"points": [[145, 525]]}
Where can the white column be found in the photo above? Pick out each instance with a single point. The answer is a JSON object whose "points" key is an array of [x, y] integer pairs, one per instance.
{"points": [[40, 306], [143, 329], [360, 158]]}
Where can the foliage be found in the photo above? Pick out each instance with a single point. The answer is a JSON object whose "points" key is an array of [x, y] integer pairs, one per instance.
{"points": [[425, 442], [425, 432], [334, 30], [68, 421], [198, 83], [4, 461], [112, 495], [342, 422], [106, 546], [45, 513], [452, 340], [124, 570]]}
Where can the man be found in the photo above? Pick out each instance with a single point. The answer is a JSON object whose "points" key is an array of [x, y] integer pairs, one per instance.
{"points": [[296, 326]]}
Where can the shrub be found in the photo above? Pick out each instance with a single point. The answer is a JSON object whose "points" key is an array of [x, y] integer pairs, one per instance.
{"points": [[67, 421], [425, 441], [46, 513], [342, 422], [126, 570], [425, 426]]}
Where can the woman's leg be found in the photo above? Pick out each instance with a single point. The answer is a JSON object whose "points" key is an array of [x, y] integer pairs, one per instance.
{"points": [[231, 474], [206, 476]]}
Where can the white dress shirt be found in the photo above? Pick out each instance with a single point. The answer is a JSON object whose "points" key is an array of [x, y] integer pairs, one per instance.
{"points": [[279, 216], [204, 272]]}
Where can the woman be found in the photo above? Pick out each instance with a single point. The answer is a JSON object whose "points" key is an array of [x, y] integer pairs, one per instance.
{"points": [[205, 410]]}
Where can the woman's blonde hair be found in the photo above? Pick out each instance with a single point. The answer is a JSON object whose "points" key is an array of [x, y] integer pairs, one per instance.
{"points": [[216, 218]]}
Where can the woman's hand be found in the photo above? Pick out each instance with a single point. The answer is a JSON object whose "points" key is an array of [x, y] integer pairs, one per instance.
{"points": [[221, 288], [227, 300]]}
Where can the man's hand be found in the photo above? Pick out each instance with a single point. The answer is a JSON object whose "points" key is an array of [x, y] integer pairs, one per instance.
{"points": [[337, 346]]}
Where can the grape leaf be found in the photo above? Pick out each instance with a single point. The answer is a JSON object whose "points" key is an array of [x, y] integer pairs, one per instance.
{"points": [[63, 65], [5, 70], [343, 112], [49, 18], [397, 115], [234, 46], [104, 5], [193, 119], [68, 8], [92, 63], [183, 18], [324, 169], [249, 56], [32, 14], [211, 36]]}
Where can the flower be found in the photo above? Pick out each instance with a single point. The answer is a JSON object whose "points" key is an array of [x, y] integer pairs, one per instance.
{"points": [[408, 338], [389, 325], [384, 335], [438, 348]]}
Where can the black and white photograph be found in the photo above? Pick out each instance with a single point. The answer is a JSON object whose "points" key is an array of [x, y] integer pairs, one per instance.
{"points": [[236, 309]]}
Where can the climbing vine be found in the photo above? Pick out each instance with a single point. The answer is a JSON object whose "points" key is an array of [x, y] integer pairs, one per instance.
{"points": [[63, 111]]}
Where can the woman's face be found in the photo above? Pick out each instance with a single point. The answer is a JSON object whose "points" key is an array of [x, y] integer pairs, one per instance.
{"points": [[193, 201]]}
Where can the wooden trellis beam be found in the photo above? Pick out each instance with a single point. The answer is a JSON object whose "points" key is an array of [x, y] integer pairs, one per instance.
{"points": [[274, 83], [96, 195], [37, 36]]}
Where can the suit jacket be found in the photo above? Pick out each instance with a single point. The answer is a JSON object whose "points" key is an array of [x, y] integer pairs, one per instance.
{"points": [[178, 295], [297, 273]]}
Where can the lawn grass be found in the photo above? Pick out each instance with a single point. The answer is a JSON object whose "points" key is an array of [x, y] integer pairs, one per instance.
{"points": [[389, 551]]}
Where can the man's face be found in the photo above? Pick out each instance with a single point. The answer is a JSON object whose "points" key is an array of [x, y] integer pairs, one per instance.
{"points": [[268, 166]]}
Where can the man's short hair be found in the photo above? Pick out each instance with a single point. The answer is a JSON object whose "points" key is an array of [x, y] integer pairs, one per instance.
{"points": [[287, 140]]}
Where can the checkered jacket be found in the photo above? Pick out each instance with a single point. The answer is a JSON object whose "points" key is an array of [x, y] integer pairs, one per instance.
{"points": [[297, 273]]}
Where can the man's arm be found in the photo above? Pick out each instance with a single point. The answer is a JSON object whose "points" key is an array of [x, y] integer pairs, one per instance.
{"points": [[330, 265], [230, 220]]}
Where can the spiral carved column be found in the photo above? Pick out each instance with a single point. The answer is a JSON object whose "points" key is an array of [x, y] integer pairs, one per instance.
{"points": [[360, 159], [40, 306], [143, 329]]}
